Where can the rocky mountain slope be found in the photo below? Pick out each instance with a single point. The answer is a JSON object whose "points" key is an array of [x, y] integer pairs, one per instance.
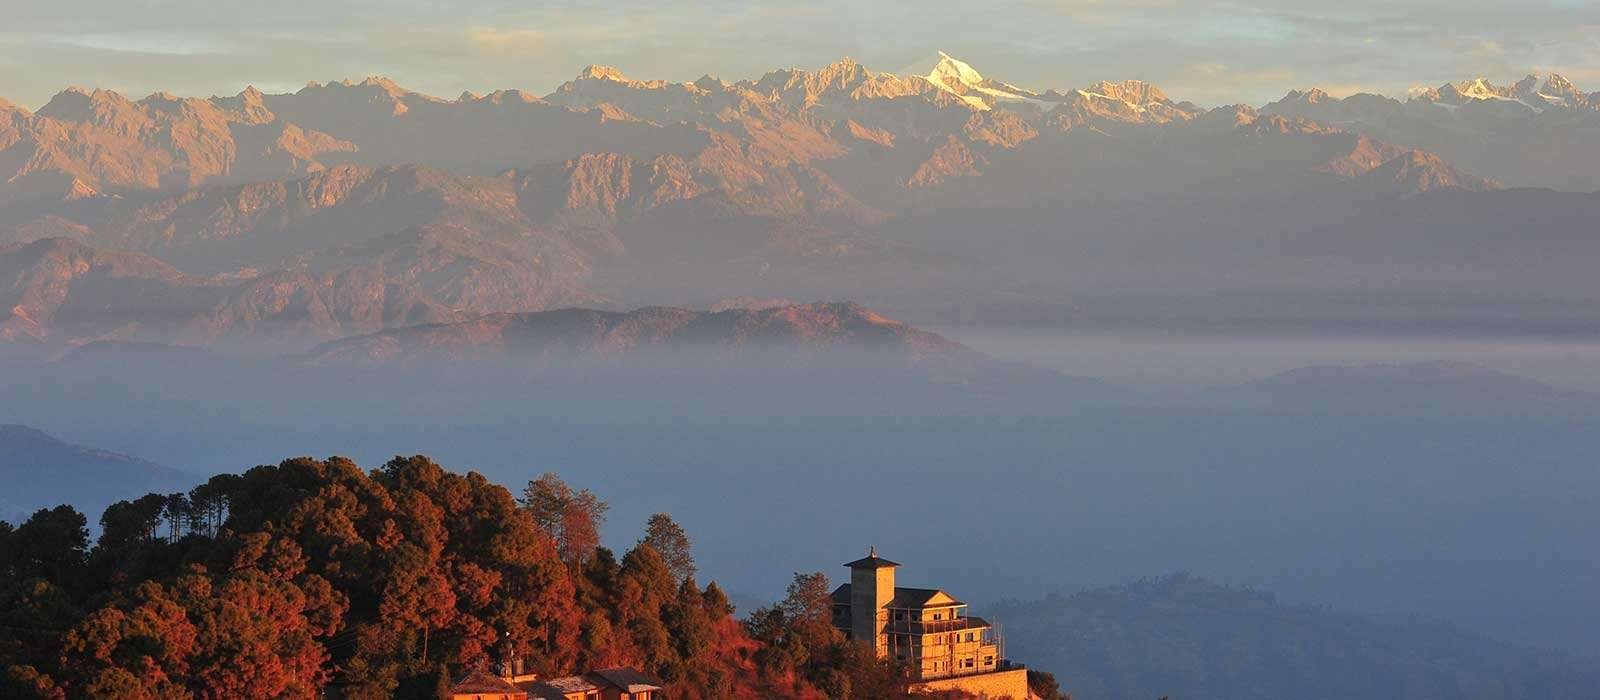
{"points": [[1539, 132], [59, 292], [800, 182], [87, 145]]}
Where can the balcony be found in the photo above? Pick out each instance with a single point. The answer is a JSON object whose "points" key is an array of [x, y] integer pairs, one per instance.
{"points": [[1001, 665], [960, 624]]}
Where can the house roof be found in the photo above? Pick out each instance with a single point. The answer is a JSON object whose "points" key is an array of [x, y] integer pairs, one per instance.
{"points": [[922, 598], [481, 681], [871, 561], [629, 679], [559, 688], [912, 598]]}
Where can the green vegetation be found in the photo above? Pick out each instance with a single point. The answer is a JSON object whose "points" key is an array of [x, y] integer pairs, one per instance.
{"points": [[315, 578]]}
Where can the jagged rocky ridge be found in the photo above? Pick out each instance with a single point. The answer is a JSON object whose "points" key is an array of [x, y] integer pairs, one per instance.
{"points": [[509, 202], [1538, 131]]}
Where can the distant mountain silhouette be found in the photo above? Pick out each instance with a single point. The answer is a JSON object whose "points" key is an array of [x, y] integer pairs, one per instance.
{"points": [[1444, 385], [41, 471], [1186, 637], [817, 343]]}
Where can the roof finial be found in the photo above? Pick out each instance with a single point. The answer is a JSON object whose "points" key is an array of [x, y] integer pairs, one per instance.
{"points": [[872, 552]]}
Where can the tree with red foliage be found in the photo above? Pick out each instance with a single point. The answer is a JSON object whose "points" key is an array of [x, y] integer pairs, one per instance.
{"points": [[314, 577], [573, 519]]}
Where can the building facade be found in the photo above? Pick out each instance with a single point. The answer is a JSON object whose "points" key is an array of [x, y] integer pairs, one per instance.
{"points": [[479, 684], [926, 629]]}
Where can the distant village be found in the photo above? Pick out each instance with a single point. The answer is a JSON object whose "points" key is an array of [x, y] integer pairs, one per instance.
{"points": [[928, 631]]}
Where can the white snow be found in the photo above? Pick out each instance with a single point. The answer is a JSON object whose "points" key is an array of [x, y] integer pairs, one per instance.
{"points": [[951, 72], [949, 67]]}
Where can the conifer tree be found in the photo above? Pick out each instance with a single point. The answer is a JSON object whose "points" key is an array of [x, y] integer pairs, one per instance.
{"points": [[668, 538]]}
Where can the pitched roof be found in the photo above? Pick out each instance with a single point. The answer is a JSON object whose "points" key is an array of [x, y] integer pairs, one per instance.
{"points": [[559, 688], [841, 595], [871, 561], [919, 597], [481, 681], [903, 597], [629, 679]]}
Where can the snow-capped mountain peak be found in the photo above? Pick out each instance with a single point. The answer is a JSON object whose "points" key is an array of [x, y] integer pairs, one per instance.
{"points": [[958, 78], [599, 72], [953, 72], [1555, 84], [1552, 92], [1478, 89]]}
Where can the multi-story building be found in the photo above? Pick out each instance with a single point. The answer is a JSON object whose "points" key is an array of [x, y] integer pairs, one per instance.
{"points": [[927, 630]]}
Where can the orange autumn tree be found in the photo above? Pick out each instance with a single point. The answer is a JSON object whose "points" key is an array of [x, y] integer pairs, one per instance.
{"points": [[316, 578]]}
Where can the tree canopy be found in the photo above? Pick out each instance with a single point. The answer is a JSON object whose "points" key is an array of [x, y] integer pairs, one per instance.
{"points": [[315, 578]]}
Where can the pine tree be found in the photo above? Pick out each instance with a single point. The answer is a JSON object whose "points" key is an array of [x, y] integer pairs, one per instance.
{"points": [[668, 538]]}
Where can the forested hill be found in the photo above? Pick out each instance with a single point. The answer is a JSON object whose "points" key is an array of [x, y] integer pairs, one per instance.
{"points": [[317, 578], [1189, 638]]}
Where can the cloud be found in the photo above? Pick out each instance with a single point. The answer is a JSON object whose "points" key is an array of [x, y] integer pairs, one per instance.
{"points": [[1214, 82], [508, 43], [1343, 89]]}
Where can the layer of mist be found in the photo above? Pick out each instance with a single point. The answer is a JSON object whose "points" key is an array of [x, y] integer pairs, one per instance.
{"points": [[1471, 501]]}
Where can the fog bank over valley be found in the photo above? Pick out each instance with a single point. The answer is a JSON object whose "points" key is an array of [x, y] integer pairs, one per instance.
{"points": [[1156, 359]]}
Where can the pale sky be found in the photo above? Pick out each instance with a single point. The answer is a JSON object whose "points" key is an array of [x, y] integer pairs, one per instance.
{"points": [[1209, 52]]}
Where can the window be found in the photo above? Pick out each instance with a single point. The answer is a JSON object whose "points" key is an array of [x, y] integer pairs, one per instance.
{"points": [[937, 616], [969, 636], [967, 663], [988, 660]]}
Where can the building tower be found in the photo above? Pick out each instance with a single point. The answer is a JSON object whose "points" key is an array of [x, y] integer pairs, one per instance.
{"points": [[871, 590]]}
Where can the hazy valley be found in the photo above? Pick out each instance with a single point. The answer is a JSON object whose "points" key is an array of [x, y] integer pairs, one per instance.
{"points": [[1339, 350]]}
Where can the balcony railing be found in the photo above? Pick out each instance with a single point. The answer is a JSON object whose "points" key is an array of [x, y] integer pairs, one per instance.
{"points": [[1001, 665], [960, 624]]}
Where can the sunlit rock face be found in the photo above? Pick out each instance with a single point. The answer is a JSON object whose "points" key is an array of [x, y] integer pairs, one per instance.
{"points": [[357, 206], [1535, 132]]}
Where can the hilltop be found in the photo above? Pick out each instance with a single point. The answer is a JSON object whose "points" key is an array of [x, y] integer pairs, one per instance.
{"points": [[316, 578]]}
